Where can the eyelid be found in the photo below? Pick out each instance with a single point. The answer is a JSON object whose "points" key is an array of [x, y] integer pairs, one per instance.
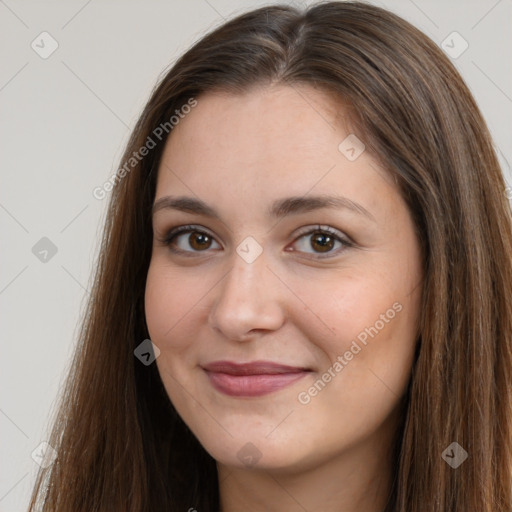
{"points": [[325, 228], [186, 228], [180, 230], [339, 236]]}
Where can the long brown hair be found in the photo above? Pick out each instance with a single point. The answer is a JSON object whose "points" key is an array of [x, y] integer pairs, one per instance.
{"points": [[121, 445]]}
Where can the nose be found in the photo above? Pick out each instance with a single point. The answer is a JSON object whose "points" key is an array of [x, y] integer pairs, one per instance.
{"points": [[248, 300]]}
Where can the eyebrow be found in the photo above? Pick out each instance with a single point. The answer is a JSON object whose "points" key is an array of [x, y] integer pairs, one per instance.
{"points": [[280, 208]]}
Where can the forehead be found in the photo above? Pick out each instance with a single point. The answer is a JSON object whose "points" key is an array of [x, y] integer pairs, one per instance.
{"points": [[277, 119], [266, 143]]}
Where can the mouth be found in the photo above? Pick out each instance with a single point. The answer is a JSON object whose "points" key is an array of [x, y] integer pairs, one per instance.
{"points": [[252, 379]]}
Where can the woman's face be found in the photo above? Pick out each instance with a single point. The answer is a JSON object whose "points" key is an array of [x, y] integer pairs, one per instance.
{"points": [[286, 313]]}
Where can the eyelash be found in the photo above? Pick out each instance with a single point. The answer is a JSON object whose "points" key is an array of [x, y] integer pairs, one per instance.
{"points": [[174, 233]]}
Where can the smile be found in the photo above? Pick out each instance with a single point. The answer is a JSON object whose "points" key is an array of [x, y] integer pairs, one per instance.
{"points": [[252, 379]]}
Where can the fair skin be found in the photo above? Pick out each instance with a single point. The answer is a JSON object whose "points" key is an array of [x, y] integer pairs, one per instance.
{"points": [[302, 302]]}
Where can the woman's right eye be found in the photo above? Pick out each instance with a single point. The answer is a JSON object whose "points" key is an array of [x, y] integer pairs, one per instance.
{"points": [[189, 239]]}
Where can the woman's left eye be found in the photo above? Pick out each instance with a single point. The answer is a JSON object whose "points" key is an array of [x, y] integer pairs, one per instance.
{"points": [[323, 240]]}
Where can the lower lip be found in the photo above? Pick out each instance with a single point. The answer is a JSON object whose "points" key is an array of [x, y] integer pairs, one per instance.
{"points": [[252, 385]]}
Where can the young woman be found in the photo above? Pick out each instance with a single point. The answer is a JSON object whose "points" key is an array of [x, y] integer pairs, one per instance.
{"points": [[303, 297]]}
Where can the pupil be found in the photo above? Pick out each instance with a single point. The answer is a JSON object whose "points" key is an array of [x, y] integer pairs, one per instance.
{"points": [[324, 241]]}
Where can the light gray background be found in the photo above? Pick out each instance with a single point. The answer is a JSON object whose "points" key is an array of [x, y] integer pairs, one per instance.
{"points": [[63, 124]]}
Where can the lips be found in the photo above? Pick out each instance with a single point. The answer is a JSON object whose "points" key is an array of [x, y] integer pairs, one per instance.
{"points": [[252, 379]]}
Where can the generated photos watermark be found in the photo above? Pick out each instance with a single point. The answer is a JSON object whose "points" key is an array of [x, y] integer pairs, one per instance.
{"points": [[158, 133], [305, 397]]}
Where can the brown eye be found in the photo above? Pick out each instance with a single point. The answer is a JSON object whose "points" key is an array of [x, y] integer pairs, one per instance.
{"points": [[322, 242], [188, 239], [199, 241]]}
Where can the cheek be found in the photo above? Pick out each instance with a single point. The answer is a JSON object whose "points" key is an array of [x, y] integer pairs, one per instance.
{"points": [[368, 319], [367, 360], [339, 310], [172, 298], [169, 310]]}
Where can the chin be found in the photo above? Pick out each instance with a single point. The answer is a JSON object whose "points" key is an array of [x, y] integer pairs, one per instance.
{"points": [[255, 452]]}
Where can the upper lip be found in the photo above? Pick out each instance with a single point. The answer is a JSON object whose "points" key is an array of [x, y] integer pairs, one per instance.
{"points": [[252, 368]]}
